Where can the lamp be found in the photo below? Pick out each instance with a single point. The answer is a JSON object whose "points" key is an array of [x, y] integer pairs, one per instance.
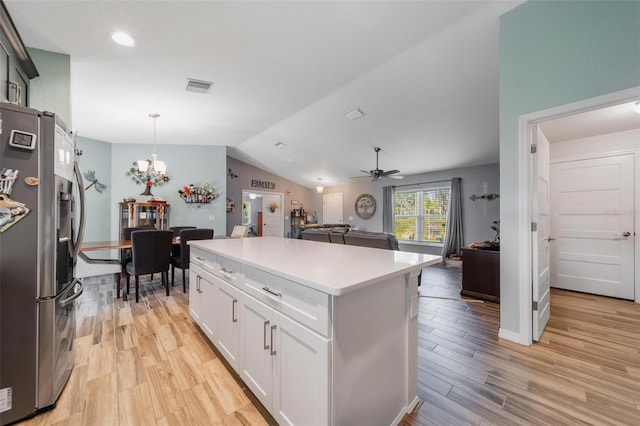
{"points": [[319, 188], [150, 172]]}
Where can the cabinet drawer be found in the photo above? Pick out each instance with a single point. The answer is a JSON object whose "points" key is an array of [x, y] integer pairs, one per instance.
{"points": [[228, 270], [307, 306], [203, 259]]}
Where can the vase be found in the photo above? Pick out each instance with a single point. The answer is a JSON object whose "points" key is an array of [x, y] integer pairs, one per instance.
{"points": [[273, 209]]}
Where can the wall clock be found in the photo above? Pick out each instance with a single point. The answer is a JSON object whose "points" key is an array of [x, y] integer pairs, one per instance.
{"points": [[365, 206]]}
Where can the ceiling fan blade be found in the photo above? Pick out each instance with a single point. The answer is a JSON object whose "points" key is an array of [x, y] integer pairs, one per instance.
{"points": [[364, 171], [390, 172], [396, 177]]}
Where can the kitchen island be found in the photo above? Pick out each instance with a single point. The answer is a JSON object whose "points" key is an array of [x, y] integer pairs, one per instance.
{"points": [[322, 334]]}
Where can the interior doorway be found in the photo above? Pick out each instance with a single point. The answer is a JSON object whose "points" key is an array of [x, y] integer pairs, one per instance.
{"points": [[529, 306], [263, 213]]}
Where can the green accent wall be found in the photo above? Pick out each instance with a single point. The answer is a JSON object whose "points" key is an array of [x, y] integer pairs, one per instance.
{"points": [[51, 91], [554, 53]]}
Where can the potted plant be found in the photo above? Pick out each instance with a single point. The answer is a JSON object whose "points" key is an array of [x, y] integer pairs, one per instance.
{"points": [[273, 206]]}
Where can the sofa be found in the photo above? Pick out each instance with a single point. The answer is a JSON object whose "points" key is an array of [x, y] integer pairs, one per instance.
{"points": [[346, 235], [298, 229]]}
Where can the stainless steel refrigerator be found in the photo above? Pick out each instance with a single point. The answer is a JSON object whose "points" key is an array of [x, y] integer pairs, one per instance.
{"points": [[41, 225]]}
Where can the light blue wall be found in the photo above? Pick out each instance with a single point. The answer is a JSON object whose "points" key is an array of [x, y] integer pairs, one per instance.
{"points": [[553, 53], [186, 164], [51, 91], [96, 156]]}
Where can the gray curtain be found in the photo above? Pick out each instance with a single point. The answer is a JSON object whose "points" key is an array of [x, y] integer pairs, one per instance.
{"points": [[387, 208], [454, 238]]}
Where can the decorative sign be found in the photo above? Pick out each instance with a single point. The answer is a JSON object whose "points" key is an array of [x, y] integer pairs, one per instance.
{"points": [[255, 183]]}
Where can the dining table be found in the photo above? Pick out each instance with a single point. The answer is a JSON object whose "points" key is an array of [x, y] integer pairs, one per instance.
{"points": [[111, 265]]}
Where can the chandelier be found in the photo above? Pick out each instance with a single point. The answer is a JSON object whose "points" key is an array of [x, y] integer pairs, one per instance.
{"points": [[150, 172]]}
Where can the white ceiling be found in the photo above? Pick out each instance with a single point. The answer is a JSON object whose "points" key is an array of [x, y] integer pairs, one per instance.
{"points": [[424, 72]]}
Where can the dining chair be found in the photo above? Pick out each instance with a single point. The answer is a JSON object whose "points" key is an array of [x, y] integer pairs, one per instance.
{"points": [[239, 231], [125, 254], [150, 252], [182, 259], [175, 250]]}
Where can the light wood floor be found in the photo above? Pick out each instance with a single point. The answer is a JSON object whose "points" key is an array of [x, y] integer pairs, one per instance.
{"points": [[585, 369], [147, 364]]}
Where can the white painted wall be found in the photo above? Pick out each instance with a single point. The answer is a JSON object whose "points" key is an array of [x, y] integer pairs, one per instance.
{"points": [[628, 140]]}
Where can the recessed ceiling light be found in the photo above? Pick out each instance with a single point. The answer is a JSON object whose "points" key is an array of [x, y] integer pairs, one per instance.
{"points": [[354, 114], [123, 39]]}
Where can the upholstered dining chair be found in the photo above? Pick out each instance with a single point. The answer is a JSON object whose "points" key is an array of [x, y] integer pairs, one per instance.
{"points": [[150, 252], [181, 261], [125, 254], [175, 250]]}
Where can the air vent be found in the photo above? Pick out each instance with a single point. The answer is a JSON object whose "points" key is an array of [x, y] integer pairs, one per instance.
{"points": [[354, 114], [198, 86]]}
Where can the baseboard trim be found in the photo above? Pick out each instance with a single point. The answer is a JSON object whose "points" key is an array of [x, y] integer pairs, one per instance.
{"points": [[513, 337]]}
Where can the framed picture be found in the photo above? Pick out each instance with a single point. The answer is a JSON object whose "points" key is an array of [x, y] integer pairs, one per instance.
{"points": [[365, 206]]}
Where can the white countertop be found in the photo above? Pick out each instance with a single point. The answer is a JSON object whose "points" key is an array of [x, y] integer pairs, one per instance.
{"points": [[331, 268]]}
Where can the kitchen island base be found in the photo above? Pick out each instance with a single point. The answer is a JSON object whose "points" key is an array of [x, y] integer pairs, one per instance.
{"points": [[314, 348]]}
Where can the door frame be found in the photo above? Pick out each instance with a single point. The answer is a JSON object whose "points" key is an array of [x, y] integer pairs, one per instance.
{"points": [[281, 209], [525, 124]]}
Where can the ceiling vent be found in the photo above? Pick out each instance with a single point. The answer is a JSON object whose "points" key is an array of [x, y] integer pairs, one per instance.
{"points": [[198, 86], [354, 114]]}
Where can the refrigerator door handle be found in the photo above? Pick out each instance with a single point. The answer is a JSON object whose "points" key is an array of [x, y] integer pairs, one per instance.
{"points": [[77, 292], [80, 236]]}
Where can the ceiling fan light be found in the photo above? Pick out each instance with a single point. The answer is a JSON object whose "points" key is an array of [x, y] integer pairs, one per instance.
{"points": [[637, 107]]}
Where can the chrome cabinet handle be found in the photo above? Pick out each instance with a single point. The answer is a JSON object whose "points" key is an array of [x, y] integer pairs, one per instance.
{"points": [[275, 293], [273, 343], [198, 285], [201, 259], [264, 335], [234, 318], [626, 234], [225, 270], [549, 239]]}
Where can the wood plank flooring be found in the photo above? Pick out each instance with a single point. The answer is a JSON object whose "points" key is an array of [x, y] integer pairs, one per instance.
{"points": [[584, 371], [147, 364]]}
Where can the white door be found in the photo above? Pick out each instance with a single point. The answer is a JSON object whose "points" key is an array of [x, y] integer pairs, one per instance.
{"points": [[592, 206], [272, 218], [225, 316], [300, 380], [332, 208], [540, 262], [255, 349]]}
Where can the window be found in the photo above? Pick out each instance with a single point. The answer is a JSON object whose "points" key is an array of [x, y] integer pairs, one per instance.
{"points": [[421, 215]]}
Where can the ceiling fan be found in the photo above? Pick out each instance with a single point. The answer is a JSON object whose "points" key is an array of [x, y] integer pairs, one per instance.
{"points": [[378, 173]]}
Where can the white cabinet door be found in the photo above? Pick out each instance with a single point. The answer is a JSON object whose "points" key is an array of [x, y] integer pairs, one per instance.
{"points": [[195, 300], [201, 291], [255, 348], [225, 311], [300, 374]]}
